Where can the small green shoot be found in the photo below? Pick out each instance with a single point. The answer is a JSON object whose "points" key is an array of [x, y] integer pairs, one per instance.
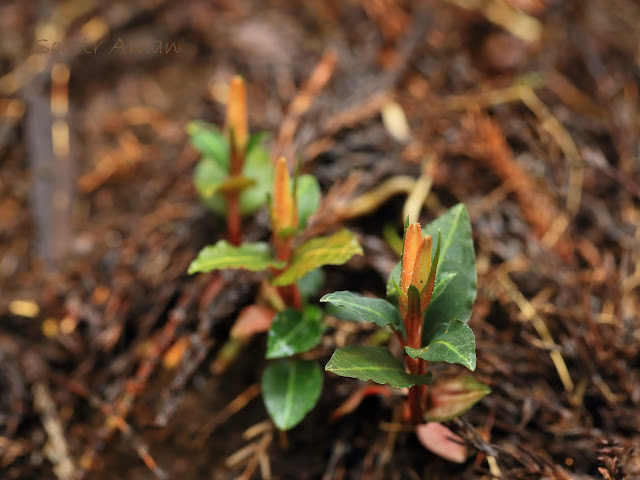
{"points": [[291, 385], [430, 294], [234, 173]]}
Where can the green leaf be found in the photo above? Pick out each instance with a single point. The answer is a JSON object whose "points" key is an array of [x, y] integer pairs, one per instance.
{"points": [[256, 140], [311, 283], [390, 235], [441, 283], [374, 310], [308, 197], [335, 249], [258, 167], [249, 256], [450, 398], [257, 178], [290, 390], [451, 342], [210, 142], [294, 332], [342, 313], [208, 176], [373, 363], [392, 283], [457, 255]]}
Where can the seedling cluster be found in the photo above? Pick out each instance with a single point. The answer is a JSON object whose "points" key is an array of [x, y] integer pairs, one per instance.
{"points": [[430, 292]]}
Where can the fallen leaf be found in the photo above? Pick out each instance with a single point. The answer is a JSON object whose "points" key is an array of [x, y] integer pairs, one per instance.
{"points": [[438, 439]]}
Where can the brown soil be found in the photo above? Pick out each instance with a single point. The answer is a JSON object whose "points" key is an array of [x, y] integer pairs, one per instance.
{"points": [[526, 110]]}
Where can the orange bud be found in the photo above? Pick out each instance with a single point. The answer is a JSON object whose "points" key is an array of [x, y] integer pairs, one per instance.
{"points": [[284, 213], [422, 263], [412, 241], [420, 277], [237, 124]]}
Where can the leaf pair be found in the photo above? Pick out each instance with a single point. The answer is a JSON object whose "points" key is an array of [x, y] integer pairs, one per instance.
{"points": [[291, 387], [334, 249]]}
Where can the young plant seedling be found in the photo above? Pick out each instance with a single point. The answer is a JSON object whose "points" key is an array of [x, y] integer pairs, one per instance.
{"points": [[290, 386], [235, 173], [429, 299]]}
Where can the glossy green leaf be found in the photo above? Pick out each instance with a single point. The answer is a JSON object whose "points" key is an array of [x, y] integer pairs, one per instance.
{"points": [[342, 313], [457, 256], [290, 390], [393, 283], [373, 363], [210, 142], [451, 397], [335, 249], [451, 342], [441, 284], [258, 167], [293, 331], [308, 197], [222, 255], [311, 283], [374, 310]]}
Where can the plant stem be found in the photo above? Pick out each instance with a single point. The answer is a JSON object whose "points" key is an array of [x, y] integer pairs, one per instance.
{"points": [[234, 227], [416, 366], [290, 293], [296, 297], [234, 222]]}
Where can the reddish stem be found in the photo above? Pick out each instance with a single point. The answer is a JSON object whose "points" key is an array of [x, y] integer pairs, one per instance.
{"points": [[234, 220], [296, 298], [416, 366], [291, 296], [290, 293], [234, 224]]}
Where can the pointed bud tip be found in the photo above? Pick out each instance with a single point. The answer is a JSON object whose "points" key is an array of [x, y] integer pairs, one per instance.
{"points": [[284, 213], [236, 118], [412, 240]]}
